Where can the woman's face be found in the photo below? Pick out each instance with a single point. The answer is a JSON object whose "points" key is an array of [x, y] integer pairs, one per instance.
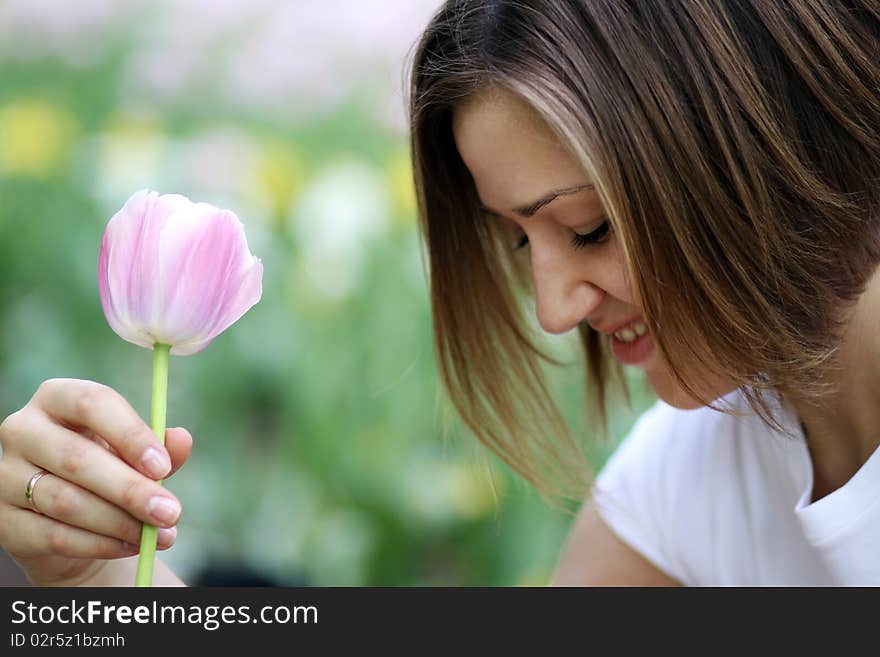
{"points": [[529, 182]]}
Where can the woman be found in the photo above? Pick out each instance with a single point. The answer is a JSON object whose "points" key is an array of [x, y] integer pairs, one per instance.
{"points": [[694, 187]]}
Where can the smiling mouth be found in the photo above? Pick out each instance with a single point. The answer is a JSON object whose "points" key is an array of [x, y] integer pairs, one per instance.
{"points": [[631, 333]]}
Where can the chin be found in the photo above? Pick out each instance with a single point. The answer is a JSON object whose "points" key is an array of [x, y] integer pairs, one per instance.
{"points": [[665, 388]]}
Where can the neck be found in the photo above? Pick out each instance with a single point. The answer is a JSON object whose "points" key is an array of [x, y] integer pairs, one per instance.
{"points": [[844, 431]]}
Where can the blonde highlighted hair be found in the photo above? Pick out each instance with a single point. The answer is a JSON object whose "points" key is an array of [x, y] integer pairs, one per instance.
{"points": [[735, 144]]}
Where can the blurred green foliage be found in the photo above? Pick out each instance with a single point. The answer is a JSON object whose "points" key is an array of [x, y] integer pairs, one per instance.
{"points": [[319, 451]]}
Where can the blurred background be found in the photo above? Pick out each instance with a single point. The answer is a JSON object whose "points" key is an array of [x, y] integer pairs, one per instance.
{"points": [[320, 453]]}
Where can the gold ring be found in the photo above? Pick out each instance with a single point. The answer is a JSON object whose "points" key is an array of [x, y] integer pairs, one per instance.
{"points": [[29, 492]]}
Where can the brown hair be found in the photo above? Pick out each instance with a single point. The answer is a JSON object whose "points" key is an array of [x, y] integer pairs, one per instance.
{"points": [[735, 144]]}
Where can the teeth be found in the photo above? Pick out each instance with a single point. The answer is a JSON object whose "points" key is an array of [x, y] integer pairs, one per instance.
{"points": [[632, 332]]}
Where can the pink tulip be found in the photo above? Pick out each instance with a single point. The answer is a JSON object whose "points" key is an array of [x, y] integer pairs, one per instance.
{"points": [[175, 272]]}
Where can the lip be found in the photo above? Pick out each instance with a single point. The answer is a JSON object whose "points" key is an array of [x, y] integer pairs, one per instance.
{"points": [[632, 353]]}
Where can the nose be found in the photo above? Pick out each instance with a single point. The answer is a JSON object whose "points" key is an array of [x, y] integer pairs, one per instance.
{"points": [[565, 292]]}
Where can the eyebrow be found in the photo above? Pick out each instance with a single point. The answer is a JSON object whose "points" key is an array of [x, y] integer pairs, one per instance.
{"points": [[530, 209]]}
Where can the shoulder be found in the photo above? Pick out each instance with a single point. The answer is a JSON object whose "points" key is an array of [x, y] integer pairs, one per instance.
{"points": [[675, 475]]}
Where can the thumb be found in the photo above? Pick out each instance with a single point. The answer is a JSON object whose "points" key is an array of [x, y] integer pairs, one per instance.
{"points": [[178, 442]]}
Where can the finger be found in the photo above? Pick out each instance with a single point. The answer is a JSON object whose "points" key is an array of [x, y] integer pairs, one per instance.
{"points": [[88, 433], [67, 502], [107, 413], [28, 534], [178, 442], [70, 456]]}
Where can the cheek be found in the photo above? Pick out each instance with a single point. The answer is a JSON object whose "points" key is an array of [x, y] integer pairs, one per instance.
{"points": [[612, 277]]}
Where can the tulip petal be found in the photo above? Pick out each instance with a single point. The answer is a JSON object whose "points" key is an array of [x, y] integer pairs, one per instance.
{"points": [[204, 257], [248, 292], [125, 246], [175, 272]]}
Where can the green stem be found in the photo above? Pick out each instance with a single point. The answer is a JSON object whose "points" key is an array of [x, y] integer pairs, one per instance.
{"points": [[147, 555]]}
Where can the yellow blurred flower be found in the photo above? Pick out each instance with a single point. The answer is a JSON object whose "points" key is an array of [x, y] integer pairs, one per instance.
{"points": [[278, 177], [471, 494], [534, 579], [35, 137], [136, 124], [398, 171]]}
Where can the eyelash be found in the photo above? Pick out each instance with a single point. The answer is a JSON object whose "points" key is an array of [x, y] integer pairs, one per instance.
{"points": [[579, 241]]}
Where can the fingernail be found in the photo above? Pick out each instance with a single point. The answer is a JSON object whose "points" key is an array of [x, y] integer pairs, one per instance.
{"points": [[163, 509], [167, 535], [156, 463]]}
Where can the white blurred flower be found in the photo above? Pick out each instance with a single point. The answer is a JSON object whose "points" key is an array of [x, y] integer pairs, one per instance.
{"points": [[183, 44], [268, 56], [276, 533], [128, 154], [442, 492], [217, 163], [340, 546], [339, 214], [79, 33], [307, 57]]}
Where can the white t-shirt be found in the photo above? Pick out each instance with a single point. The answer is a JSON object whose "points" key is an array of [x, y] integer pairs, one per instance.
{"points": [[717, 500]]}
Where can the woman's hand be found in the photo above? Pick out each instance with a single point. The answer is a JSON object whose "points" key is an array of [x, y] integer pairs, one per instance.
{"points": [[102, 463]]}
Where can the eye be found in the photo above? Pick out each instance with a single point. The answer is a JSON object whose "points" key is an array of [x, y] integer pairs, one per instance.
{"points": [[579, 241], [596, 237]]}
